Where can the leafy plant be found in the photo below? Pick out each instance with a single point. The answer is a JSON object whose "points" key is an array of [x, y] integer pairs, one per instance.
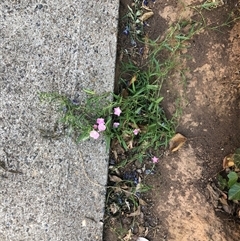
{"points": [[234, 192], [232, 179], [233, 186]]}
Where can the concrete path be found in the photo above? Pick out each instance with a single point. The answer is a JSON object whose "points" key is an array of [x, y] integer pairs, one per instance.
{"points": [[65, 46]]}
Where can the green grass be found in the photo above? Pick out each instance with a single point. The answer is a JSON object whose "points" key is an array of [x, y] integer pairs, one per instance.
{"points": [[141, 110], [141, 104]]}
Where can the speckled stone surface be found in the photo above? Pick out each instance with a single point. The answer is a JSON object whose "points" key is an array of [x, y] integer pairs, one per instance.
{"points": [[64, 46]]}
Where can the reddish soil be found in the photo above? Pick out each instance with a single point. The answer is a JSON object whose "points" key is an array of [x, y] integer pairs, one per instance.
{"points": [[179, 206]]}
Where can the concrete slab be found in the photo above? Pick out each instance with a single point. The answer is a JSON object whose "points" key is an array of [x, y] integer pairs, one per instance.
{"points": [[65, 46]]}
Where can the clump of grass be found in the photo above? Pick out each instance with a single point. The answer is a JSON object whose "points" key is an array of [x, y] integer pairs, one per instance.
{"points": [[141, 124], [80, 118]]}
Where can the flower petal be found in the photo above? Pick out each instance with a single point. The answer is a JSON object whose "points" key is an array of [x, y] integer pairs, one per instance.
{"points": [[100, 121], [94, 134], [116, 124], [155, 159], [136, 131], [101, 127], [117, 111]]}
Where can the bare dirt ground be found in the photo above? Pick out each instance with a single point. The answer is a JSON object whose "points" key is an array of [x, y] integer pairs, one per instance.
{"points": [[179, 207]]}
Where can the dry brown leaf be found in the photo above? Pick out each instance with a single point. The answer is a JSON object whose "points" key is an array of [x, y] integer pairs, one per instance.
{"points": [[146, 7], [128, 237], [117, 189], [130, 144], [146, 232], [117, 147], [228, 161], [231, 164], [115, 154], [114, 178], [224, 195], [143, 128], [177, 142], [142, 202], [227, 209], [146, 16], [124, 187], [223, 201], [127, 192], [134, 126], [136, 213]]}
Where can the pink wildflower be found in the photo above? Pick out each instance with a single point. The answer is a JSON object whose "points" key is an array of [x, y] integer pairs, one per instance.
{"points": [[116, 124], [101, 127], [136, 131], [100, 121], [155, 159], [95, 126], [94, 134], [117, 111]]}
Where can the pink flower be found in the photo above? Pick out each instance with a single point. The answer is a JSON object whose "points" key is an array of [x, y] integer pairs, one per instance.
{"points": [[117, 111], [95, 126], [136, 131], [101, 127], [100, 121], [155, 159], [116, 124], [94, 134]]}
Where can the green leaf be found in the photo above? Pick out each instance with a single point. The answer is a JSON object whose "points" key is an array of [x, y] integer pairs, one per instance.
{"points": [[152, 87], [181, 37], [222, 182], [90, 92], [83, 137], [232, 178], [159, 100], [234, 192], [108, 142]]}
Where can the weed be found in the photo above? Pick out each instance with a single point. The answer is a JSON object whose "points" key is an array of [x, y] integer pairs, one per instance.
{"points": [[231, 183], [80, 118], [227, 23], [210, 4]]}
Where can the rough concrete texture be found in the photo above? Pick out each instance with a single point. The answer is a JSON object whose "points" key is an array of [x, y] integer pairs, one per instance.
{"points": [[64, 46]]}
